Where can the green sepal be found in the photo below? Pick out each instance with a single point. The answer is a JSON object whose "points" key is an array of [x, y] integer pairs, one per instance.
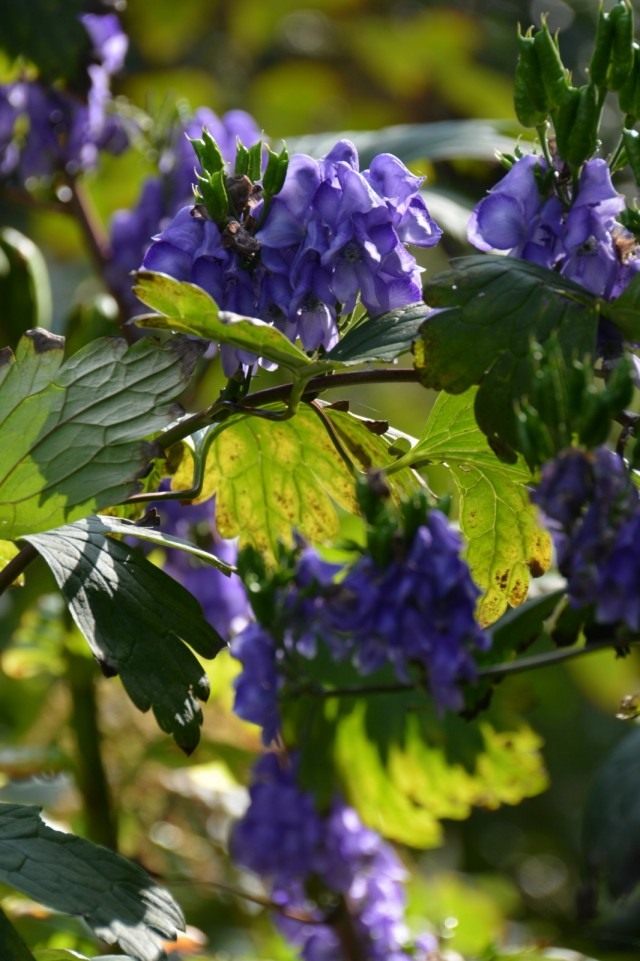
{"points": [[276, 172], [576, 124], [601, 57], [621, 64], [208, 153], [629, 93], [254, 166], [529, 96], [211, 190], [555, 77], [242, 159]]}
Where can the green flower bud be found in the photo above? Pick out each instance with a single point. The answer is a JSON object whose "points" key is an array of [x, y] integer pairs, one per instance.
{"points": [[601, 59], [529, 96], [621, 64]]}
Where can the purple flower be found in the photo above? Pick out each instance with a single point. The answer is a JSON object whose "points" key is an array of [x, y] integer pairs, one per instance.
{"points": [[586, 500], [332, 236], [280, 835], [63, 134], [162, 197], [257, 686], [580, 238], [284, 838], [618, 590], [417, 609], [223, 599]]}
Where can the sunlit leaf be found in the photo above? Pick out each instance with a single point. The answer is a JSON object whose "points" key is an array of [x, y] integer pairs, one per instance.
{"points": [[273, 477], [505, 541], [188, 309], [72, 433], [137, 621], [118, 900]]}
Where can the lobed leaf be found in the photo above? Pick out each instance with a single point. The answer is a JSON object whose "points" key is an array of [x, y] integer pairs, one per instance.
{"points": [[273, 477], [72, 433], [189, 309], [116, 898], [137, 621], [505, 542], [381, 338], [494, 308]]}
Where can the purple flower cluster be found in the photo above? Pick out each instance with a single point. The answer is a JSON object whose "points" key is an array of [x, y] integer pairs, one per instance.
{"points": [[579, 237], [333, 236], [283, 838], [417, 609], [44, 131], [163, 195], [592, 509], [223, 599]]}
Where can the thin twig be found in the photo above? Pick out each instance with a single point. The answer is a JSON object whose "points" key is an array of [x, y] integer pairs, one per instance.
{"points": [[519, 666], [16, 566], [270, 395]]}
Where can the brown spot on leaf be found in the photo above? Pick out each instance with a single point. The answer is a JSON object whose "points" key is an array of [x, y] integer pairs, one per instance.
{"points": [[43, 340]]}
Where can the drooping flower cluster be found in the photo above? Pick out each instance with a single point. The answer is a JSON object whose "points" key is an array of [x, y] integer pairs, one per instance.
{"points": [[414, 609], [593, 511], [579, 237], [357, 879], [163, 195], [44, 131], [223, 599], [332, 236]]}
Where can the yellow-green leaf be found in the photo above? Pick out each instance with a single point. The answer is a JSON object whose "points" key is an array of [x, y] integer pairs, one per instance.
{"points": [[407, 793], [8, 550], [273, 477], [188, 309], [505, 542]]}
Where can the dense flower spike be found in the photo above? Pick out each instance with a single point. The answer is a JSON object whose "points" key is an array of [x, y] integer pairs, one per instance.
{"points": [[580, 238], [332, 236], [587, 501], [162, 196], [419, 609], [357, 875], [416, 609], [45, 131]]}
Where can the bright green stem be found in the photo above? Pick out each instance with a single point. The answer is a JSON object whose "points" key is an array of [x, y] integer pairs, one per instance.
{"points": [[100, 819], [12, 947]]}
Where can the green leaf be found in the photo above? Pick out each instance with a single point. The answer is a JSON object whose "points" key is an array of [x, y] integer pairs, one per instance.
{"points": [[624, 311], [72, 434], [397, 795], [137, 621], [189, 309], [118, 525], [505, 542], [384, 337], [517, 629], [405, 769], [51, 36], [116, 898], [611, 822], [25, 292], [445, 140], [273, 477], [497, 307]]}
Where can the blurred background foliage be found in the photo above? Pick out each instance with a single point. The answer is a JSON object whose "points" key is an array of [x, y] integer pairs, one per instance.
{"points": [[71, 741]]}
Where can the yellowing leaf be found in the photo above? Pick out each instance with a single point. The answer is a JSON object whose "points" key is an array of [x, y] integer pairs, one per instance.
{"points": [[505, 542], [407, 794], [273, 477]]}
